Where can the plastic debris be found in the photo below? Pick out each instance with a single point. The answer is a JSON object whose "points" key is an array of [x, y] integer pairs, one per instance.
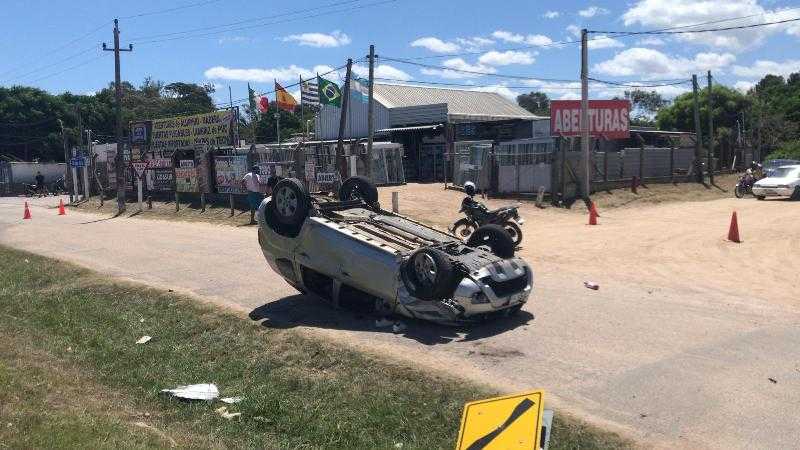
{"points": [[398, 327], [144, 340], [194, 392], [231, 400], [591, 285], [383, 323], [773, 380], [223, 411]]}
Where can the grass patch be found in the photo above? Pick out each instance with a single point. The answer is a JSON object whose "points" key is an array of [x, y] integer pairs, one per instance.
{"points": [[72, 376]]}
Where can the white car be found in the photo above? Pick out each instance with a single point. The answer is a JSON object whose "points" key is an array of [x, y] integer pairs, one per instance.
{"points": [[782, 182]]}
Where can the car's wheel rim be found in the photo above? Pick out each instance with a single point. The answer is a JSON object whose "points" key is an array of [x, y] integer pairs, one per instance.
{"points": [[286, 202], [425, 268]]}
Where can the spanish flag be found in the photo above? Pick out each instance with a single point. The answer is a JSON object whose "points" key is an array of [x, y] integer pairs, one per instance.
{"points": [[284, 99]]}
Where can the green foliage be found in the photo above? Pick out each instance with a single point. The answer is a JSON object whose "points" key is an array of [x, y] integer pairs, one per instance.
{"points": [[536, 102], [29, 117], [644, 106], [789, 150]]}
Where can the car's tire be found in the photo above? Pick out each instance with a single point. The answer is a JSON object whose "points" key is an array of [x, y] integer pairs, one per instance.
{"points": [[760, 197], [428, 274], [514, 231], [463, 229], [796, 194], [495, 238], [358, 188], [290, 202]]}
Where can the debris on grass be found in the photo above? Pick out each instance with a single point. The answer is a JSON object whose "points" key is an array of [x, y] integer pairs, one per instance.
{"points": [[773, 380], [591, 285], [144, 340], [194, 392], [223, 411], [231, 400]]}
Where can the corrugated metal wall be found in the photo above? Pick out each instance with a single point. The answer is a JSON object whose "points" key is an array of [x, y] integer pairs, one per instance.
{"points": [[327, 121], [418, 115]]}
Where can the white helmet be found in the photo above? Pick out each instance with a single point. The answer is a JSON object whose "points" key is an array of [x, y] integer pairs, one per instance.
{"points": [[749, 171], [469, 188]]}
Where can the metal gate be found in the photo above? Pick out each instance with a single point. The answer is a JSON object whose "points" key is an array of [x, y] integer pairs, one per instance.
{"points": [[524, 165], [471, 162], [5, 178]]}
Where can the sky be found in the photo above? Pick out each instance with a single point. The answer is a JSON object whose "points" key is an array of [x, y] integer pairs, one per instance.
{"points": [[510, 46]]}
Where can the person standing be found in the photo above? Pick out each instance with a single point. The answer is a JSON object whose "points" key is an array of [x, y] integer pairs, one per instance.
{"points": [[40, 187], [251, 182]]}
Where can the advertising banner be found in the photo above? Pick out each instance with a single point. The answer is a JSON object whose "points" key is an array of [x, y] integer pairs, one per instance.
{"points": [[228, 172], [607, 118], [188, 131], [186, 176], [160, 176]]}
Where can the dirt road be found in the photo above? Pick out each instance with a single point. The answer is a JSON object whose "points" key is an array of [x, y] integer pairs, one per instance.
{"points": [[677, 348]]}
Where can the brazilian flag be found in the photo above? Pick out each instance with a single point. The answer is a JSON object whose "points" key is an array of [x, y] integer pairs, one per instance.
{"points": [[329, 92]]}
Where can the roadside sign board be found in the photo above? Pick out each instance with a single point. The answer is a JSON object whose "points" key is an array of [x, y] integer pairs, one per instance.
{"points": [[329, 177], [607, 118], [511, 422], [77, 161], [139, 167]]}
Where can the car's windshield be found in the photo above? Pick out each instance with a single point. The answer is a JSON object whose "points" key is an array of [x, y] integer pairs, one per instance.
{"points": [[784, 172]]}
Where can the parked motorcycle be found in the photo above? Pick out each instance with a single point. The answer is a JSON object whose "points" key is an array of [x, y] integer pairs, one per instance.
{"points": [[59, 187], [745, 185], [32, 190], [477, 215]]}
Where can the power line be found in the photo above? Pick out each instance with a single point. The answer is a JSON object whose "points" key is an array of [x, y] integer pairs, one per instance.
{"points": [[176, 8], [475, 72], [80, 64], [707, 30], [554, 87], [52, 64], [641, 85]]}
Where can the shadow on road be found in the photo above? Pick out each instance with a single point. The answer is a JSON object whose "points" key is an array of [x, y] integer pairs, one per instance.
{"points": [[306, 311]]}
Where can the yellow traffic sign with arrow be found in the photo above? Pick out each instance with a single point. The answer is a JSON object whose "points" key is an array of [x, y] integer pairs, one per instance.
{"points": [[511, 422]]}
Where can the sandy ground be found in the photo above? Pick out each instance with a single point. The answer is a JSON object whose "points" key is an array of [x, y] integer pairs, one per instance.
{"points": [[676, 349]]}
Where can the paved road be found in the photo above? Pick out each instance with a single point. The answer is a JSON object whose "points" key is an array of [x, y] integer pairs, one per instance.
{"points": [[664, 351]]}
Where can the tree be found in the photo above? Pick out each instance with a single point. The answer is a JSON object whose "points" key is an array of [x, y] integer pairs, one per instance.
{"points": [[644, 106], [536, 102]]}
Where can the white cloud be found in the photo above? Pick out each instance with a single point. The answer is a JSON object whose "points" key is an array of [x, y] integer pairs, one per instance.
{"points": [[514, 38], [551, 14], [451, 68], [650, 41], [334, 39], [762, 67], [495, 58], [601, 41], [382, 71], [647, 63], [593, 11], [290, 73], [574, 30], [436, 45], [744, 86], [674, 13], [474, 44]]}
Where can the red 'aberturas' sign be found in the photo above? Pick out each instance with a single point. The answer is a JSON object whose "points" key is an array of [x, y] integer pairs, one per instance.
{"points": [[607, 118]]}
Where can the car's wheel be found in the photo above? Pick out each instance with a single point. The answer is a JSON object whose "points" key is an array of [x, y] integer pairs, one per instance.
{"points": [[355, 188], [493, 238], [796, 194], [760, 197], [290, 201], [463, 229], [514, 231], [428, 274]]}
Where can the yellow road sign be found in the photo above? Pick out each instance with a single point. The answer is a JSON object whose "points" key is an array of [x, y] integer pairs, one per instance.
{"points": [[512, 422]]}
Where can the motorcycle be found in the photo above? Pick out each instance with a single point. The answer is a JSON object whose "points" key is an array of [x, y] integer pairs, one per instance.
{"points": [[478, 215], [59, 187], [745, 185]]}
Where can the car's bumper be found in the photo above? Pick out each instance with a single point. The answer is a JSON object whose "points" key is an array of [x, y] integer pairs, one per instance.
{"points": [[760, 191]]}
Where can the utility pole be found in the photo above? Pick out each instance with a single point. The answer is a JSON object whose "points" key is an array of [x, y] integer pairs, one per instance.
{"points": [[710, 162], [340, 159], [371, 102], [119, 161], [698, 133], [66, 160], [278, 125], [587, 168]]}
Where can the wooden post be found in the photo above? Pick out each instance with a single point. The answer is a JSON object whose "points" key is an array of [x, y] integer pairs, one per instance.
{"points": [[202, 202], [641, 158], [605, 166], [231, 200], [177, 201], [395, 202]]}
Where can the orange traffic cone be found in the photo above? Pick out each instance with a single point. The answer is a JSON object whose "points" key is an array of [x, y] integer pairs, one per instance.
{"points": [[27, 214], [592, 215], [733, 231], [61, 210]]}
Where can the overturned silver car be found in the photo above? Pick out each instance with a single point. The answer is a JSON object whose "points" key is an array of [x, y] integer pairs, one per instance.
{"points": [[348, 249]]}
